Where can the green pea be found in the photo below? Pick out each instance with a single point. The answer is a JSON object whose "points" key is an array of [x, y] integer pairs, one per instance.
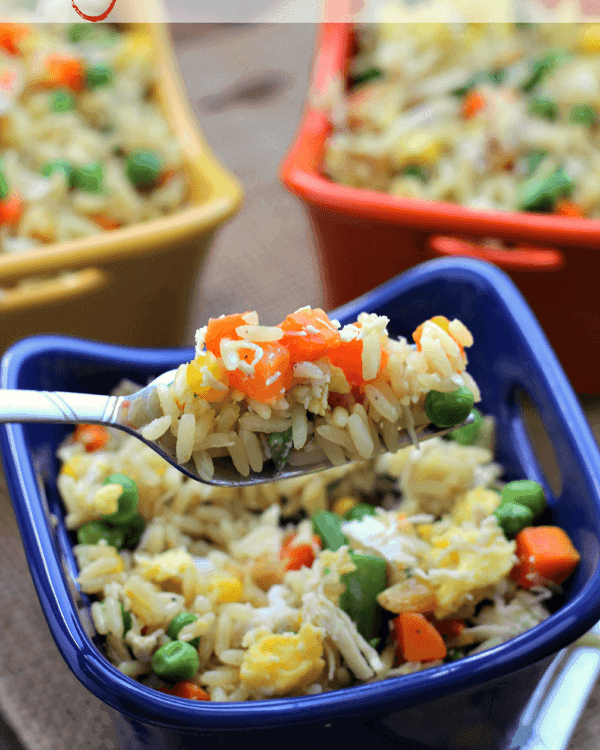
{"points": [[60, 165], [99, 75], [179, 622], [62, 101], [544, 108], [525, 492], [89, 178], [513, 517], [370, 74], [328, 527], [413, 170], [359, 511], [101, 34], [92, 532], [448, 409], [176, 661], [280, 447], [143, 168], [132, 531], [76, 32], [469, 433], [4, 186], [127, 502], [497, 76], [363, 585], [127, 621], [584, 114]]}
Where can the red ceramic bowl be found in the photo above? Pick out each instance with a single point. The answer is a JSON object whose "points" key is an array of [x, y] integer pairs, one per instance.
{"points": [[365, 237]]}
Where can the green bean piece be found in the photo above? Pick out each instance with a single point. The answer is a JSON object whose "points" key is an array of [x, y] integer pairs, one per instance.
{"points": [[525, 492], [99, 75], [359, 511], [448, 409], [179, 622], [62, 101], [533, 159], [127, 502], [127, 621], [89, 178], [176, 661], [540, 193], [4, 186], [513, 517], [542, 68], [60, 165], [363, 585], [584, 114], [280, 447], [370, 74], [413, 170], [143, 168], [92, 532], [547, 109], [469, 433], [328, 527], [469, 85]]}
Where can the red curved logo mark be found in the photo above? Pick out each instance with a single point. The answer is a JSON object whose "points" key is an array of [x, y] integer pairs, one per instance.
{"points": [[100, 17]]}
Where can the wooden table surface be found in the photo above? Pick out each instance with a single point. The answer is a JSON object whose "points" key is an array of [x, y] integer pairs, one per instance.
{"points": [[247, 85]]}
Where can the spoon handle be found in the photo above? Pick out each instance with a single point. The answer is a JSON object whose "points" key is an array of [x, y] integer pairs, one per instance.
{"points": [[57, 407]]}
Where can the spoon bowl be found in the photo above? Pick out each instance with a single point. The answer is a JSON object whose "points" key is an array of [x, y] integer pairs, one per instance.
{"points": [[124, 412]]}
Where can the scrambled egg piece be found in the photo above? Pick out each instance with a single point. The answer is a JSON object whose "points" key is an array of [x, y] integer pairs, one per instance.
{"points": [[475, 505], [278, 664], [165, 565], [465, 563], [227, 589]]}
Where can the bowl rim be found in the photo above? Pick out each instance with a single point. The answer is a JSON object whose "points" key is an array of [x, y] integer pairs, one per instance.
{"points": [[301, 174], [224, 193], [134, 699]]}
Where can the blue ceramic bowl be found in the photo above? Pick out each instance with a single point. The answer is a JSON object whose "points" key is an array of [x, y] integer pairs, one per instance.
{"points": [[472, 704]]}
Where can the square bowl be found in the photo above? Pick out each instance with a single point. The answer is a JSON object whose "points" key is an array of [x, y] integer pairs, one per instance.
{"points": [[124, 279], [474, 702], [399, 232]]}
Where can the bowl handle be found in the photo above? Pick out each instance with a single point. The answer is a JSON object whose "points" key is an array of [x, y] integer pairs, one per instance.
{"points": [[521, 258], [52, 291]]}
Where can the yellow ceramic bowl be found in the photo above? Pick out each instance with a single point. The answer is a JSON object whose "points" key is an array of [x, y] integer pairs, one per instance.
{"points": [[129, 286]]}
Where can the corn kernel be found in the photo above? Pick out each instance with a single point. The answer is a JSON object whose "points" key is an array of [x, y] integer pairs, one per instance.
{"points": [[589, 41], [106, 498], [71, 467], [207, 377], [343, 504], [424, 530], [417, 147], [136, 44]]}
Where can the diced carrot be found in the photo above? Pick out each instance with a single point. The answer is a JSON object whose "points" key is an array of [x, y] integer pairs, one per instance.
{"points": [[272, 375], [444, 324], [93, 436], [186, 689], [309, 334], [347, 355], [340, 399], [11, 209], [473, 103], [106, 222], [452, 627], [417, 639], [569, 208], [11, 36], [64, 71], [298, 556], [545, 554], [221, 328]]}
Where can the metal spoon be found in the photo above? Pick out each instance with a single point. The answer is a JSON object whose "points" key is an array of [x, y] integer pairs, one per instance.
{"points": [[114, 411]]}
